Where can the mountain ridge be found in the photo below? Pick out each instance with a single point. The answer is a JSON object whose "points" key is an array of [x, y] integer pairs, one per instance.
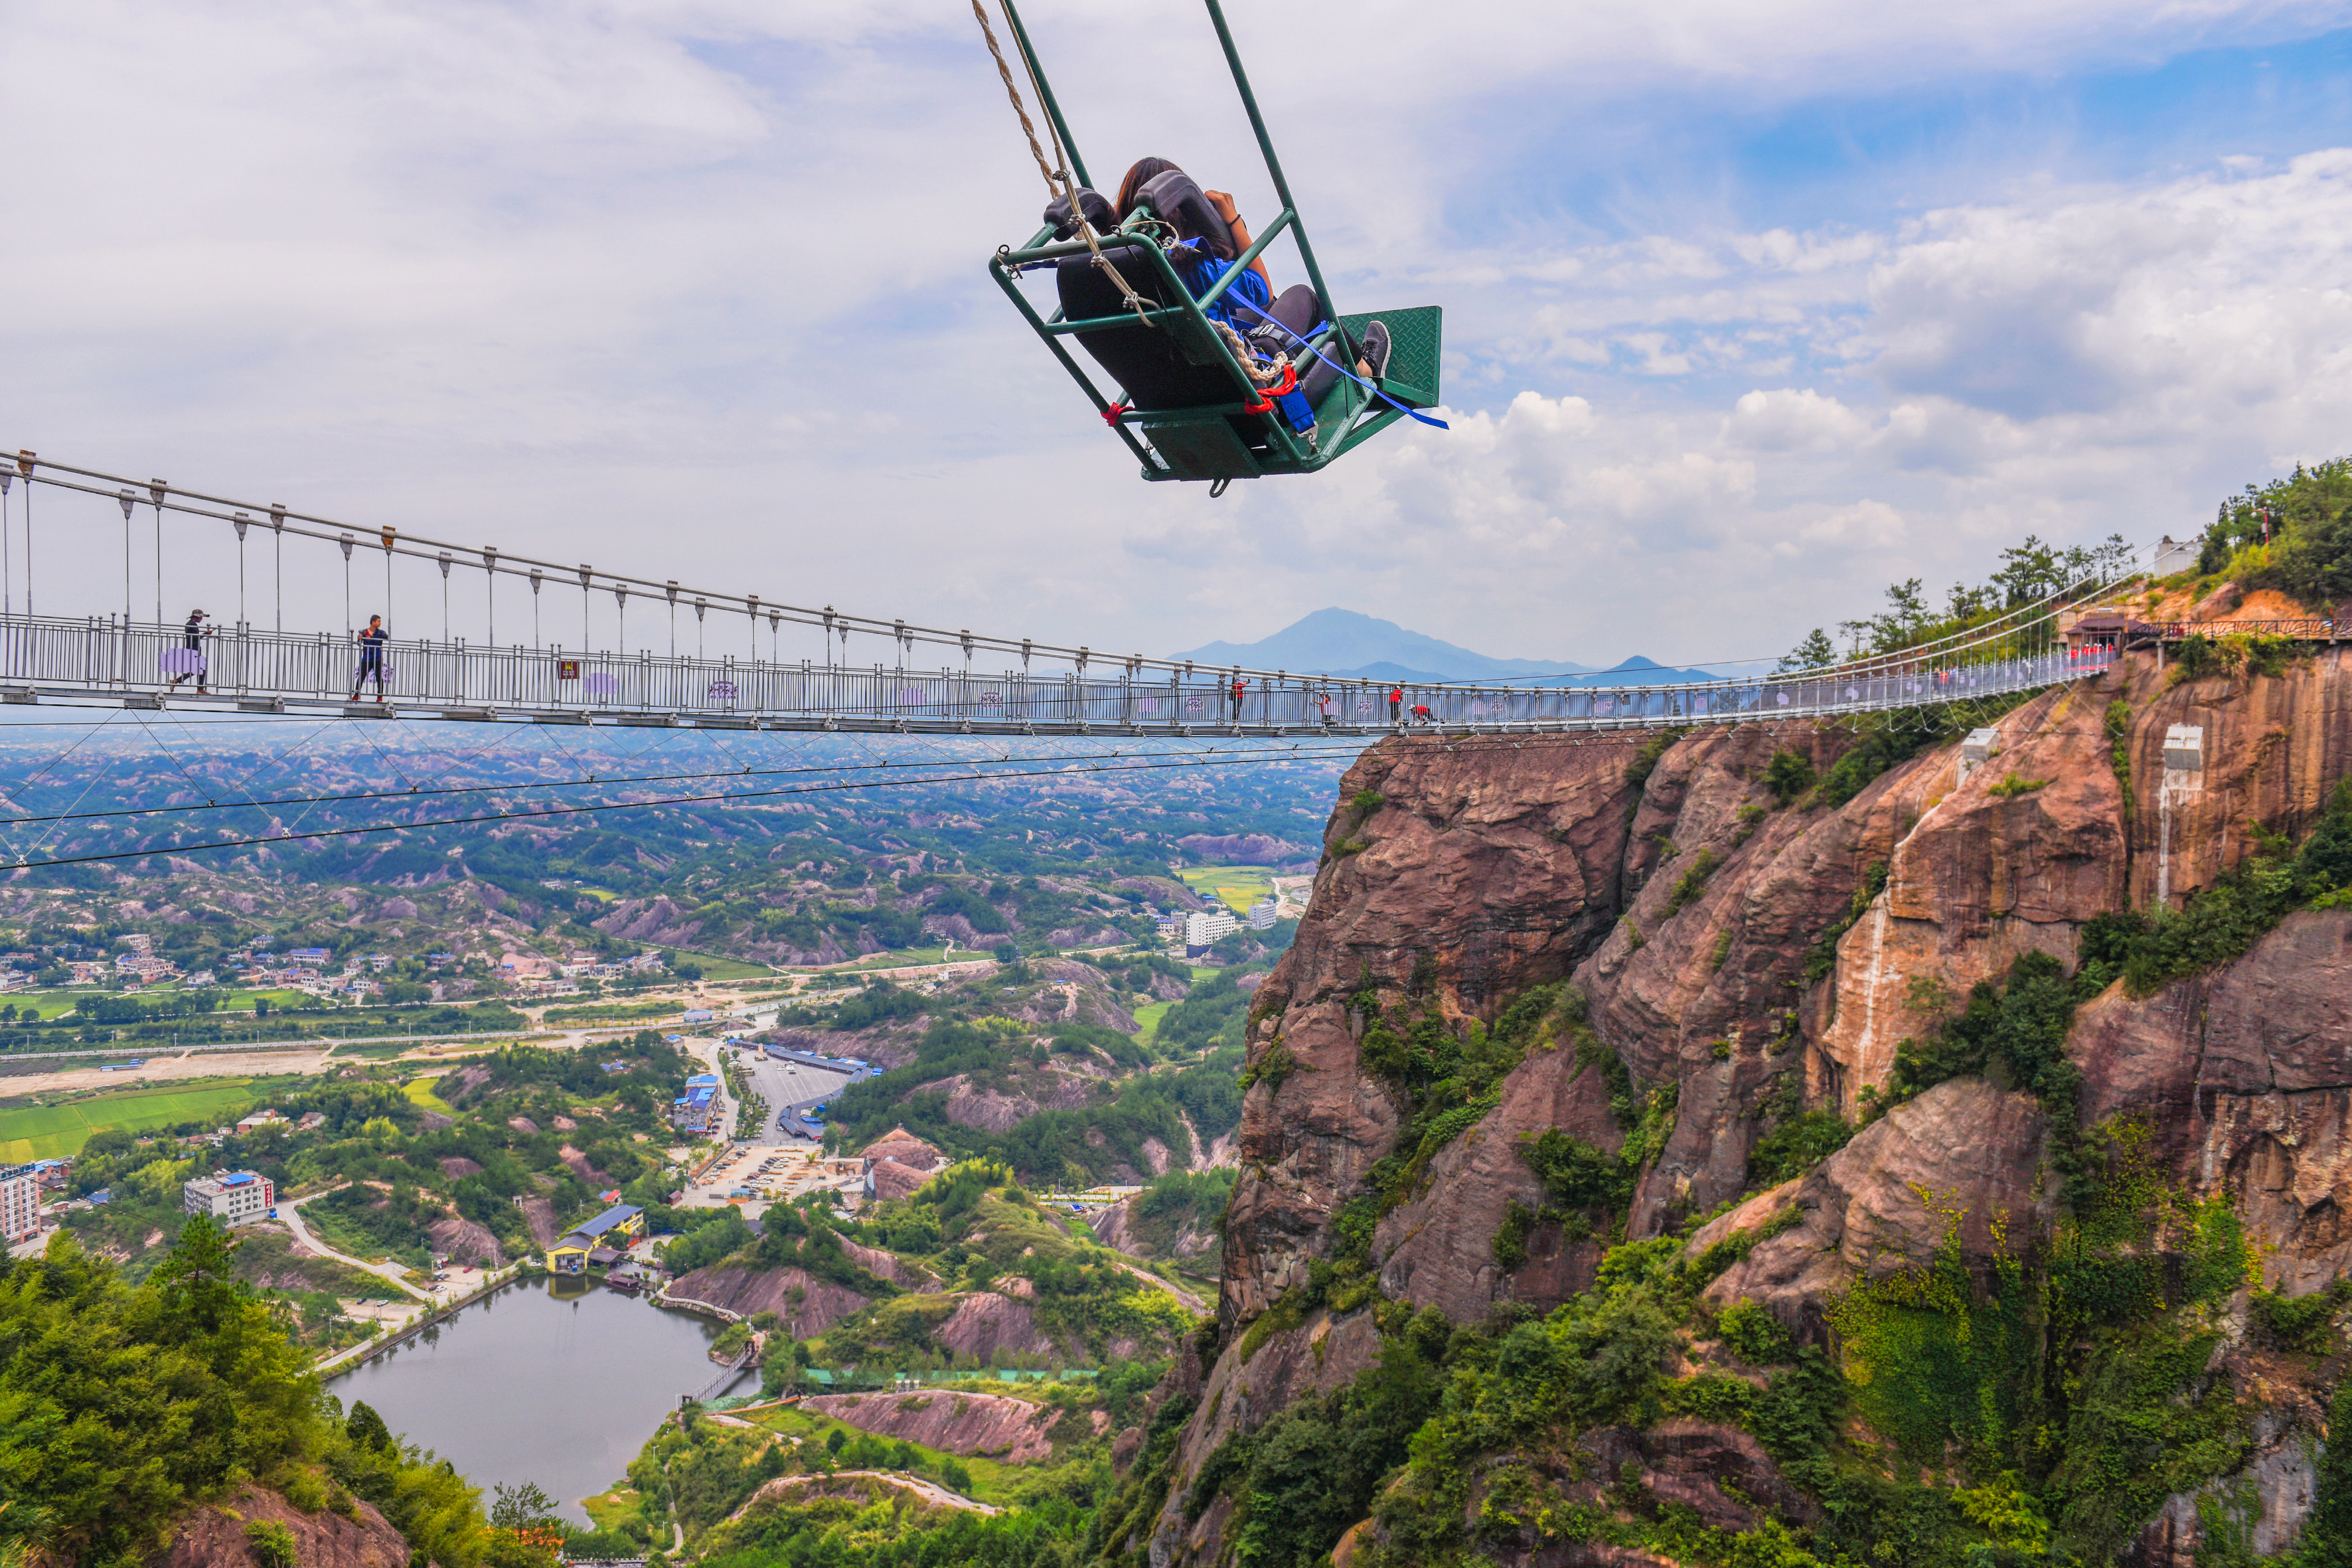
{"points": [[1350, 644]]}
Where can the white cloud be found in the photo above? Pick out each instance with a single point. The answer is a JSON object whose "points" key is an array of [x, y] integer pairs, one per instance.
{"points": [[701, 286], [1790, 419]]}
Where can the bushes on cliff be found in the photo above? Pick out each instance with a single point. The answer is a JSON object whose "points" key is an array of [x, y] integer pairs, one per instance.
{"points": [[2218, 923]]}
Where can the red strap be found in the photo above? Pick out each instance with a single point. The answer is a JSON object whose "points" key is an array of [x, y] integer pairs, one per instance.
{"points": [[1111, 415]]}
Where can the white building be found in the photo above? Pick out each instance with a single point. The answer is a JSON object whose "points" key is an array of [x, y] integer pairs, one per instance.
{"points": [[20, 1202], [233, 1197], [1262, 913], [1202, 929]]}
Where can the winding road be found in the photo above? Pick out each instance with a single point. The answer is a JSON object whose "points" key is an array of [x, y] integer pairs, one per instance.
{"points": [[290, 1215]]}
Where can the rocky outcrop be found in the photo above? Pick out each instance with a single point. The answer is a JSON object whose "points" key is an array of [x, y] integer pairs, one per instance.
{"points": [[1737, 955], [987, 1321], [214, 1535], [803, 1304], [1952, 1164], [993, 1425], [466, 1242], [2242, 1079], [1001, 1108]]}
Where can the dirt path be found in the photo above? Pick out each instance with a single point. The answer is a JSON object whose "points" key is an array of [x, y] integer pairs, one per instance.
{"points": [[929, 1491]]}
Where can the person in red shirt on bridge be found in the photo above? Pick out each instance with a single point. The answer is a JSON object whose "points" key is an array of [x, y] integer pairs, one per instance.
{"points": [[1240, 690], [1396, 703]]}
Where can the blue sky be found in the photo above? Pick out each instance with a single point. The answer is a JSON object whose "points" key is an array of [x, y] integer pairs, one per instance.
{"points": [[1751, 308]]}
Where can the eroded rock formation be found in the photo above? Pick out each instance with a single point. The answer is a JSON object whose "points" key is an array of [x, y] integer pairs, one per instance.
{"points": [[1753, 960]]}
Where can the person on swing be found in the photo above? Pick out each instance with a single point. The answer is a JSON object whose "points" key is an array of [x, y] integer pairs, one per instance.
{"points": [[1272, 324]]}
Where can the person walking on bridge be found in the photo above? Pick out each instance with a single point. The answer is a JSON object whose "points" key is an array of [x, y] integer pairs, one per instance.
{"points": [[1396, 703], [371, 642], [1240, 690], [192, 640]]}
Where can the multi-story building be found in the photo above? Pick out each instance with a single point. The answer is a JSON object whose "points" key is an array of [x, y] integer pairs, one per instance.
{"points": [[20, 1202], [1263, 913], [696, 1111], [233, 1197], [1207, 926]]}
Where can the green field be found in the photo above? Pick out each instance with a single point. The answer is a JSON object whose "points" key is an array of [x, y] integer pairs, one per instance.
{"points": [[419, 1091], [904, 959], [47, 1005], [1238, 885], [717, 968], [611, 1013], [49, 1131], [1148, 1016]]}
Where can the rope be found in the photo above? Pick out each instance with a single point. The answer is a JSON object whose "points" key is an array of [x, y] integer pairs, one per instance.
{"points": [[1069, 185]]}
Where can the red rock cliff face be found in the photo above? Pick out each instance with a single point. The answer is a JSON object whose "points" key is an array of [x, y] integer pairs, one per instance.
{"points": [[1684, 906]]}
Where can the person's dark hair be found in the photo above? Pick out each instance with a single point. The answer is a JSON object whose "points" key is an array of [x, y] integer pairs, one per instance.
{"points": [[1145, 168]]}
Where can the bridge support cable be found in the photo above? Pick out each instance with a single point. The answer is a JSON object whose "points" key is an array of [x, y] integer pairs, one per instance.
{"points": [[66, 660]]}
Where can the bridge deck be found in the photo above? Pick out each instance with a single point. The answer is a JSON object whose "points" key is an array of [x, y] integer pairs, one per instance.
{"points": [[105, 661]]}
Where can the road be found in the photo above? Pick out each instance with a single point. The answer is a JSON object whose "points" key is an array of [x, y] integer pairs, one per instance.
{"points": [[290, 1215]]}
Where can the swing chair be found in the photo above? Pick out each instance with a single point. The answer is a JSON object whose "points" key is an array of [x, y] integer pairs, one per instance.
{"points": [[1198, 400]]}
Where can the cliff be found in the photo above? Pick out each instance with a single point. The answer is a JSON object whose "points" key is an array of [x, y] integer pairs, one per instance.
{"points": [[1851, 1054]]}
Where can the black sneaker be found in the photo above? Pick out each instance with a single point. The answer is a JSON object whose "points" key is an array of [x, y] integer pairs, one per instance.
{"points": [[1376, 350]]}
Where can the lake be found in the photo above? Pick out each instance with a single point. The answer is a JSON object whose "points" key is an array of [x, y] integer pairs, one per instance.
{"points": [[555, 1382]]}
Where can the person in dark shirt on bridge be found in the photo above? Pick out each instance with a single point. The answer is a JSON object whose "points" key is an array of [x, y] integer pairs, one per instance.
{"points": [[371, 642], [192, 640]]}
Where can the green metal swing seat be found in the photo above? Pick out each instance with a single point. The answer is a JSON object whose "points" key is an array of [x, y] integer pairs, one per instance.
{"points": [[1188, 409]]}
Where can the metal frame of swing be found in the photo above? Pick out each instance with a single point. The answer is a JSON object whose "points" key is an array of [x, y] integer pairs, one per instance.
{"points": [[1198, 442]]}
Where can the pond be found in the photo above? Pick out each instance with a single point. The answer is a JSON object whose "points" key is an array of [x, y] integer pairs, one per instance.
{"points": [[555, 1382]]}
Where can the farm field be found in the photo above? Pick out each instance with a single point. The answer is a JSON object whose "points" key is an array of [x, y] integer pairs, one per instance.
{"points": [[419, 1091], [1238, 886], [50, 1131], [1149, 1017]]}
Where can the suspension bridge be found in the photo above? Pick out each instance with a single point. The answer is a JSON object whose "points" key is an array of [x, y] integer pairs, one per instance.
{"points": [[109, 657]]}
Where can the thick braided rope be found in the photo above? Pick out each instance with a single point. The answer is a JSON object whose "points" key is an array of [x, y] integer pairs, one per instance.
{"points": [[1086, 230]]}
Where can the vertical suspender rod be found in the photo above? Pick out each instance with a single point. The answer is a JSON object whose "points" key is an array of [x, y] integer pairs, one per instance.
{"points": [[1273, 165]]}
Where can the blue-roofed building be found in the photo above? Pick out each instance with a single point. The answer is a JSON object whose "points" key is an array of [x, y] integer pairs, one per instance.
{"points": [[697, 1109], [615, 1228]]}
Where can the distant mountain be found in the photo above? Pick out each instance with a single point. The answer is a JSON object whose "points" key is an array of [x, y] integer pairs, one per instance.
{"points": [[1341, 642], [1346, 644]]}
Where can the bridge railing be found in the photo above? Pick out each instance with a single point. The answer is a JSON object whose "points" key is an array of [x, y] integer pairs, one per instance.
{"points": [[107, 655]]}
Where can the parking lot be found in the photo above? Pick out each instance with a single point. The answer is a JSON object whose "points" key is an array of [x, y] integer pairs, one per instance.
{"points": [[766, 1172], [786, 1083]]}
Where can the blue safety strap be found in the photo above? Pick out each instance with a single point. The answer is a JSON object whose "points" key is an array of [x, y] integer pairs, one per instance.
{"points": [[1343, 370]]}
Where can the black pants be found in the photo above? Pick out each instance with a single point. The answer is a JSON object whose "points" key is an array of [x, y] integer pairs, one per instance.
{"points": [[1299, 311], [370, 664]]}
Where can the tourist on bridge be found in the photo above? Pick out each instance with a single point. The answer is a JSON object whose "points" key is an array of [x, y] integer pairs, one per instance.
{"points": [[1421, 714], [192, 638], [1396, 703], [1240, 690], [1323, 707], [371, 642]]}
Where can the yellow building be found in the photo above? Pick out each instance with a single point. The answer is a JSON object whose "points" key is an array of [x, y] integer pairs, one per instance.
{"points": [[615, 1228]]}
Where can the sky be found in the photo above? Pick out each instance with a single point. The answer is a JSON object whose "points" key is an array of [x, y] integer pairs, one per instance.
{"points": [[1750, 309]]}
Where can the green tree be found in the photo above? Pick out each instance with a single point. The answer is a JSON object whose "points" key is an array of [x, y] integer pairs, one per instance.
{"points": [[1815, 652]]}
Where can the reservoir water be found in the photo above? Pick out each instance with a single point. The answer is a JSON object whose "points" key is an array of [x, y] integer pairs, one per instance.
{"points": [[555, 1382]]}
